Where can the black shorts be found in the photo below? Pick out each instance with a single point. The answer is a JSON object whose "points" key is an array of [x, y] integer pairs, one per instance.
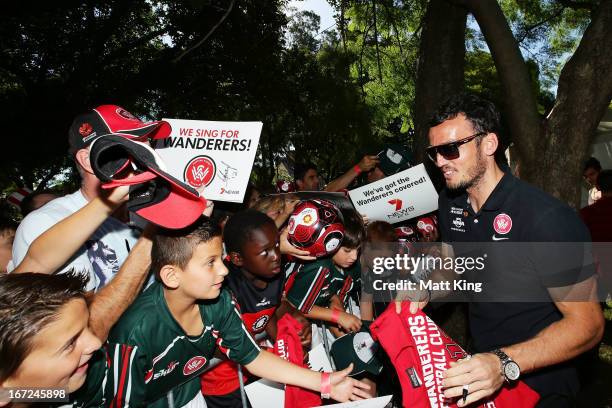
{"points": [[231, 400]]}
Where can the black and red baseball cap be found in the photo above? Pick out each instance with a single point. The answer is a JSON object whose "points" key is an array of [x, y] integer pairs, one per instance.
{"points": [[109, 119], [155, 195]]}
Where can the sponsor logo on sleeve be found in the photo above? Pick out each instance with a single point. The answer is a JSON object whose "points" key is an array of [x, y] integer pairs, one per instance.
{"points": [[194, 364]]}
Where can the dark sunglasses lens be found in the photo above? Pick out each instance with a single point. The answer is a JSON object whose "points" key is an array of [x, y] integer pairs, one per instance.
{"points": [[449, 152]]}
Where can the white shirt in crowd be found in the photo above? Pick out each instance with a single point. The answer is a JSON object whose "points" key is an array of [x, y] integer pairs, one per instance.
{"points": [[100, 257], [594, 195]]}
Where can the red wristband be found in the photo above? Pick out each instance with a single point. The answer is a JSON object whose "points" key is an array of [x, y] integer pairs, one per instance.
{"points": [[335, 316], [357, 169], [326, 385]]}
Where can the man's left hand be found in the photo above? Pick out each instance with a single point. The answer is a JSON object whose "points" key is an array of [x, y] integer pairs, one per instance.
{"points": [[481, 373]]}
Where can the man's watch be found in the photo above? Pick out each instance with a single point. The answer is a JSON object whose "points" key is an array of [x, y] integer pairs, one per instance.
{"points": [[509, 368]]}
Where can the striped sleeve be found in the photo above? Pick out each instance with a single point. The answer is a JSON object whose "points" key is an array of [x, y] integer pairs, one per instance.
{"points": [[124, 384], [307, 287]]}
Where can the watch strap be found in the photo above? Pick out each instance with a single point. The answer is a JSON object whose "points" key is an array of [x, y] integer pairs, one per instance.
{"points": [[504, 360]]}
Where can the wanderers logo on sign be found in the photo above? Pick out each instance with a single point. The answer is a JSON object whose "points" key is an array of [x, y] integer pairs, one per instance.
{"points": [[200, 171]]}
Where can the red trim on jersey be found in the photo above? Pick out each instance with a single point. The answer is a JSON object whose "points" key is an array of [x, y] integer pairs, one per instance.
{"points": [[346, 286], [126, 351], [311, 298]]}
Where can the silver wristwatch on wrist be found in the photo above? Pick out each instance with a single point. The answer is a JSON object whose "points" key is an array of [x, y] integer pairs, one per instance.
{"points": [[509, 368]]}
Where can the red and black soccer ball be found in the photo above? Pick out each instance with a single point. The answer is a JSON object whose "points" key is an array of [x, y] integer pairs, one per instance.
{"points": [[316, 226]]}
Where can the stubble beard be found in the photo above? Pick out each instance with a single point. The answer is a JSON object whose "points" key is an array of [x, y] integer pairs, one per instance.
{"points": [[474, 176]]}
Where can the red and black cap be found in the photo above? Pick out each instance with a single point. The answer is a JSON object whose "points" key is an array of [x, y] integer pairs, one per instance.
{"points": [[154, 194], [108, 119]]}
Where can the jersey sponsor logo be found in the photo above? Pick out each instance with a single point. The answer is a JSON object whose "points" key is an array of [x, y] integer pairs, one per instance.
{"points": [[502, 224], [161, 373], [458, 224], [496, 238], [200, 171], [281, 347], [260, 323], [264, 302], [456, 210], [414, 377], [194, 364]]}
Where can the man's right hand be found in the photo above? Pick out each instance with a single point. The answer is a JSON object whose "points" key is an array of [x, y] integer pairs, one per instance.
{"points": [[405, 298], [116, 196], [368, 162]]}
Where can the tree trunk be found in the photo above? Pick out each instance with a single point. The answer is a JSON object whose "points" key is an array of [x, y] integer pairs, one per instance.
{"points": [[440, 70], [550, 154], [520, 104], [583, 95]]}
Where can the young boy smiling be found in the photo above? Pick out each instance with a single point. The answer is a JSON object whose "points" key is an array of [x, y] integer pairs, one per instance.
{"points": [[172, 330]]}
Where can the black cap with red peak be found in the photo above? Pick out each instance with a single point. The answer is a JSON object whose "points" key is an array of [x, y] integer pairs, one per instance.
{"points": [[155, 195], [108, 119]]}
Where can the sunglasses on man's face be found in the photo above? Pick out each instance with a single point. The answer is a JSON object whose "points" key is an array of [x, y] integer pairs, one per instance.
{"points": [[450, 151]]}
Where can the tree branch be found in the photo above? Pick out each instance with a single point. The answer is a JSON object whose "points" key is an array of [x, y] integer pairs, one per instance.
{"points": [[212, 30], [532, 27]]}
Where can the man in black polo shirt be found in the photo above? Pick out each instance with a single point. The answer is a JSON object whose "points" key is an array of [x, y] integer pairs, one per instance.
{"points": [[481, 203]]}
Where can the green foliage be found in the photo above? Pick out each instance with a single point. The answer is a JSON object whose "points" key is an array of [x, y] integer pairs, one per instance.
{"points": [[324, 97], [383, 36], [548, 32], [62, 58], [481, 78]]}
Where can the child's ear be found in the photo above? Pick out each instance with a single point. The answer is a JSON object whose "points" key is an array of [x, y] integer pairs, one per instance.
{"points": [[169, 276], [236, 258]]}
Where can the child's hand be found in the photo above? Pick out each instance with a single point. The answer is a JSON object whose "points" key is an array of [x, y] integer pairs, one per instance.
{"points": [[345, 388], [349, 322], [288, 249]]}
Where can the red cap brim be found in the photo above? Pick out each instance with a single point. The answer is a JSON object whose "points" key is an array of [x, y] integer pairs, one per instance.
{"points": [[178, 210]]}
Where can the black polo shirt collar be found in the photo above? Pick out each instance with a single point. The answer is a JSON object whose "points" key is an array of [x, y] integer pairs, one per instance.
{"points": [[496, 199]]}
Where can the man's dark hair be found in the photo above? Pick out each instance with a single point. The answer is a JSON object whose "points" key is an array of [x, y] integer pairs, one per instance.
{"points": [[175, 247], [604, 181], [301, 169], [482, 114], [592, 163], [28, 302], [240, 227], [354, 232]]}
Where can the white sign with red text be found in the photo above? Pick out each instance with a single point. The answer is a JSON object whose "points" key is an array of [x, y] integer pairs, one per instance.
{"points": [[215, 158], [397, 198]]}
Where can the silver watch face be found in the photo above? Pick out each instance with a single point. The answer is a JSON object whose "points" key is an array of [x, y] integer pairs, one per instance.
{"points": [[512, 371]]}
